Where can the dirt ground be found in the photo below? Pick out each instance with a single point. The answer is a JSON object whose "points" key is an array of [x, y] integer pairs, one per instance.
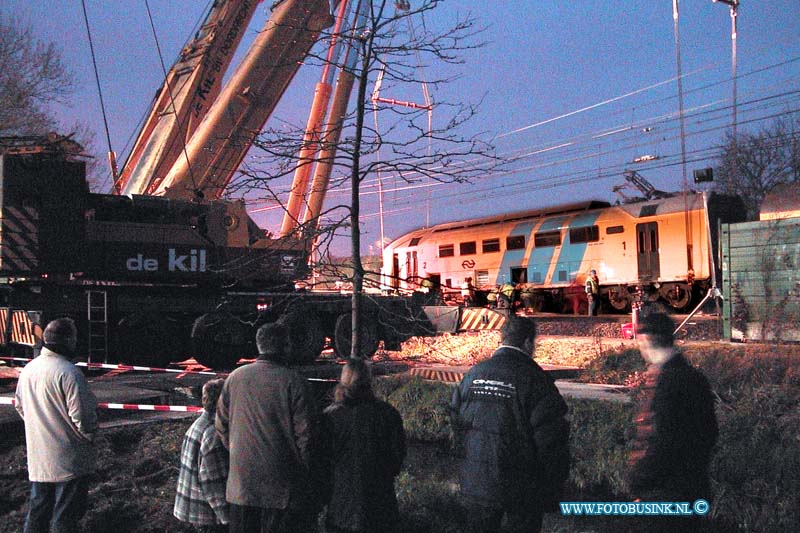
{"points": [[133, 488]]}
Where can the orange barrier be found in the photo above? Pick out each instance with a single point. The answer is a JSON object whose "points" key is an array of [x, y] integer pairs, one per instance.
{"points": [[479, 318], [22, 327]]}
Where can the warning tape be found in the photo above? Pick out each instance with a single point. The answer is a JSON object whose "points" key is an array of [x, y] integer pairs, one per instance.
{"points": [[131, 406], [150, 369], [154, 369], [130, 367], [146, 407]]}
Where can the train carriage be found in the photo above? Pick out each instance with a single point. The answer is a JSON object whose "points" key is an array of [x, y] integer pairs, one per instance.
{"points": [[663, 247]]}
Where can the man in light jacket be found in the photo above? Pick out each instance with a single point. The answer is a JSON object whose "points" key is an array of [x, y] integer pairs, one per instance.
{"points": [[60, 414], [265, 418]]}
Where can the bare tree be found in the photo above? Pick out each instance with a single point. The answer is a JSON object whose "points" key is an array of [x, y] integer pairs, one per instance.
{"points": [[383, 49], [756, 163], [33, 77]]}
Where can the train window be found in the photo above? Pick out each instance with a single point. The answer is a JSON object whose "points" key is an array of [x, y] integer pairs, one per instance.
{"points": [[648, 210], [611, 230], [447, 250], [490, 245], [415, 241], [584, 234], [467, 248], [515, 242], [547, 238]]}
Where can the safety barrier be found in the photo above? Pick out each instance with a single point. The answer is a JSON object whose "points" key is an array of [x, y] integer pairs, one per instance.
{"points": [[21, 325], [479, 318]]}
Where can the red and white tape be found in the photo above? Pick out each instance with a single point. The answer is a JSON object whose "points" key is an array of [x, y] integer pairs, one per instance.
{"points": [[132, 406], [130, 367], [155, 369], [149, 369]]}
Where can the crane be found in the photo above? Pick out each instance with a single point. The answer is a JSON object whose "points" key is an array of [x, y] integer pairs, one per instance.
{"points": [[198, 133]]}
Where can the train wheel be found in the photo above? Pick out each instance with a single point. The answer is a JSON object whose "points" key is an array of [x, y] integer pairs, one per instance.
{"points": [[219, 341], [619, 298], [343, 337], [305, 334], [677, 295], [149, 340]]}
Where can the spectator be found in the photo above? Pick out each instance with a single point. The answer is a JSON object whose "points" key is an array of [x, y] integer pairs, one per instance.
{"points": [[676, 428], [369, 447], [60, 414], [265, 418], [592, 289], [200, 496], [508, 417]]}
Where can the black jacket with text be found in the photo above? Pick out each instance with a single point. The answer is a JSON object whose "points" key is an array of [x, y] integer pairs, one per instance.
{"points": [[509, 419]]}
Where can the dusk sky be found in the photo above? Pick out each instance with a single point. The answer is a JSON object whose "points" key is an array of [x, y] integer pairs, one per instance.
{"points": [[583, 87]]}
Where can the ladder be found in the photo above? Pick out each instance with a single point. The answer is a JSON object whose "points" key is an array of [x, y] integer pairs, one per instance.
{"points": [[97, 318]]}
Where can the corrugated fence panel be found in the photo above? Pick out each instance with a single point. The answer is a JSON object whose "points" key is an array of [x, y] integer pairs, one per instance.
{"points": [[761, 279]]}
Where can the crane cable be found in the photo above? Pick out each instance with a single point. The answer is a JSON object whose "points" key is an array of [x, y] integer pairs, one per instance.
{"points": [[112, 157], [197, 191]]}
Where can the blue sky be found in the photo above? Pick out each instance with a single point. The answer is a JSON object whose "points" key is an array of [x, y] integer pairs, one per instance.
{"points": [[584, 87]]}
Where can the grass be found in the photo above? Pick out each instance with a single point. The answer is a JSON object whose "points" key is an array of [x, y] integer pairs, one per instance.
{"points": [[755, 471]]}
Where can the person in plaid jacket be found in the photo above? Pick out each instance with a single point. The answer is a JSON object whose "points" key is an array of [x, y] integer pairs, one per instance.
{"points": [[200, 495]]}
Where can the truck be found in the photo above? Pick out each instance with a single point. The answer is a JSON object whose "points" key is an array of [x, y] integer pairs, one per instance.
{"points": [[163, 267]]}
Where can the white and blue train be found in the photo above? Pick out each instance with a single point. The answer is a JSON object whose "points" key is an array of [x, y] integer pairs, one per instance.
{"points": [[663, 248]]}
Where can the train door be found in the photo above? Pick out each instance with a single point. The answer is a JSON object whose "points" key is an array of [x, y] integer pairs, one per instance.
{"points": [[394, 279], [412, 272], [519, 275], [647, 251]]}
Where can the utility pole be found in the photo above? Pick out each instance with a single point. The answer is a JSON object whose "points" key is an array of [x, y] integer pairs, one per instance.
{"points": [[734, 5], [685, 181]]}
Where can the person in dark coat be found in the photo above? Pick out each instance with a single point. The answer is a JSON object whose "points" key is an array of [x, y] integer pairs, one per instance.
{"points": [[265, 418], [509, 418], [676, 428], [369, 446]]}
